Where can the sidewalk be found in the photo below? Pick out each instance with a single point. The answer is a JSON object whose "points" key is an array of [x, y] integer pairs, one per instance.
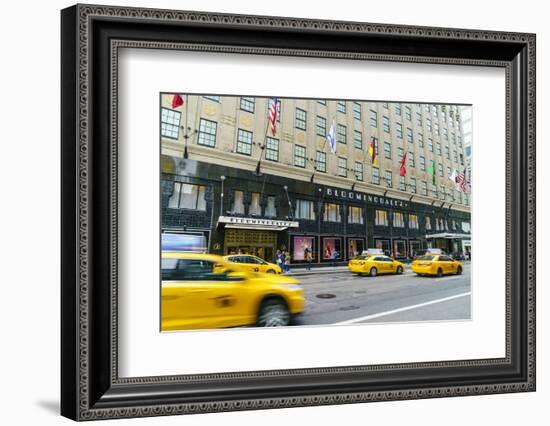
{"points": [[300, 270]]}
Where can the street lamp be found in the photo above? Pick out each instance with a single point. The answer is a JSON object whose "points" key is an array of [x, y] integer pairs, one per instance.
{"points": [[258, 171], [222, 178], [314, 164], [188, 133], [289, 203]]}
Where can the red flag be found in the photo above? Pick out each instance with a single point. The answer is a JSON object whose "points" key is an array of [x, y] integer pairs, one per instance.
{"points": [[177, 101], [402, 169]]}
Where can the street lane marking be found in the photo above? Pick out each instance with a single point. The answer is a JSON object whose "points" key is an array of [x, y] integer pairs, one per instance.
{"points": [[406, 308]]}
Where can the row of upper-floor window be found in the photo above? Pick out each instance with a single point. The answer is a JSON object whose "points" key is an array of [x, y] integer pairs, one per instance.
{"points": [[208, 130], [192, 197], [244, 146], [170, 125], [245, 142], [357, 170], [447, 113]]}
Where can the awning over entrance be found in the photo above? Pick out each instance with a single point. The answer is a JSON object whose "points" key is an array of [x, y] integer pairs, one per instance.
{"points": [[256, 223], [448, 235]]}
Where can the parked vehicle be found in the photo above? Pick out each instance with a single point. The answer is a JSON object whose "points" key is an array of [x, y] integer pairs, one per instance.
{"points": [[374, 265], [429, 251], [437, 265], [247, 262]]}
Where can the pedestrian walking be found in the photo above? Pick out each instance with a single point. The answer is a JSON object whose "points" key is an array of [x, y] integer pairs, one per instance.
{"points": [[287, 261], [278, 259], [309, 258], [335, 257]]}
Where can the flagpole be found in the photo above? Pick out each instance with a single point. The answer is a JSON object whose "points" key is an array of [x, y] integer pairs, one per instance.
{"points": [[258, 172], [186, 135], [324, 144], [186, 129]]}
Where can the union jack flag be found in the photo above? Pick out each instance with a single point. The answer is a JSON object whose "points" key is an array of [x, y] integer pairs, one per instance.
{"points": [[273, 114]]}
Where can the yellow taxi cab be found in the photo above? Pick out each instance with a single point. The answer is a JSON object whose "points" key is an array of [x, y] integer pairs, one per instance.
{"points": [[436, 264], [247, 262], [374, 265], [202, 291]]}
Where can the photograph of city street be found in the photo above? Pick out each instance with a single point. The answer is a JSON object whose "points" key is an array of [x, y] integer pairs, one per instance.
{"points": [[300, 212]]}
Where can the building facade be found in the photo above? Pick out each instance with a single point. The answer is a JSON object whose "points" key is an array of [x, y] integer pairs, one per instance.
{"points": [[231, 179]]}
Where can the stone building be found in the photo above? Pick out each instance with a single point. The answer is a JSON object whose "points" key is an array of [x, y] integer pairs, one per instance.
{"points": [[231, 183]]}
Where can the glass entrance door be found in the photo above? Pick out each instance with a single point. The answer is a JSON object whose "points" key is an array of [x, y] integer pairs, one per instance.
{"points": [[355, 247], [399, 248], [414, 247], [383, 245], [256, 243]]}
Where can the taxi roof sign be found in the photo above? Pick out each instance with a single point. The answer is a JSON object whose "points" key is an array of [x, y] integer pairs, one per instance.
{"points": [[434, 251], [372, 251]]}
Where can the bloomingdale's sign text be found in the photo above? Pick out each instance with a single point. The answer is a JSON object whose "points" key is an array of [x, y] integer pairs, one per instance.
{"points": [[359, 196]]}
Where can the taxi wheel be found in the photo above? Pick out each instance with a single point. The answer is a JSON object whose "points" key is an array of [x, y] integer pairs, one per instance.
{"points": [[459, 270], [373, 272], [273, 313], [439, 273], [270, 271], [399, 270]]}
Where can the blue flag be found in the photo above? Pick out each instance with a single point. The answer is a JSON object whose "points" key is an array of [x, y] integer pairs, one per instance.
{"points": [[331, 139]]}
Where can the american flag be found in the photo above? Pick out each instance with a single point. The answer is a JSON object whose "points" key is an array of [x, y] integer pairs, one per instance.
{"points": [[463, 181], [273, 114]]}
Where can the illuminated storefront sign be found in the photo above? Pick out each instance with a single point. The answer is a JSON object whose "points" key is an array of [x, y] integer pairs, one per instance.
{"points": [[256, 223]]}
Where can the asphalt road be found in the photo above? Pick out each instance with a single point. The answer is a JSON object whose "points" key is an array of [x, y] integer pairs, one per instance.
{"points": [[341, 297]]}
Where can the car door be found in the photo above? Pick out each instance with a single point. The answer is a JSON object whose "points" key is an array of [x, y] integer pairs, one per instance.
{"points": [[261, 264], [229, 302], [196, 297], [240, 260], [388, 265], [184, 294], [446, 264], [253, 265], [380, 264], [392, 265]]}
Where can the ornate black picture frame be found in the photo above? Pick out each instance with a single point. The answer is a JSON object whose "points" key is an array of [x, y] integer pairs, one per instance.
{"points": [[91, 37]]}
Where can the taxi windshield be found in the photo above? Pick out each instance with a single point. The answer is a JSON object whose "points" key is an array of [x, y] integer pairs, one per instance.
{"points": [[425, 257], [362, 257]]}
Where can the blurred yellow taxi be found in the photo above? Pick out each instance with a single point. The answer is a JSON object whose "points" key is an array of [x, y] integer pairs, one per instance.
{"points": [[374, 265], [436, 264], [247, 262], [202, 291]]}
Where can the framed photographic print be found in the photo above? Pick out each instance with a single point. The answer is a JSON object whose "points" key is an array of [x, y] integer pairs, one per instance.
{"points": [[263, 212]]}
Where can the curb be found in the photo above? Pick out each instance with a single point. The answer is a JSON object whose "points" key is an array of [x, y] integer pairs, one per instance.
{"points": [[303, 273]]}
